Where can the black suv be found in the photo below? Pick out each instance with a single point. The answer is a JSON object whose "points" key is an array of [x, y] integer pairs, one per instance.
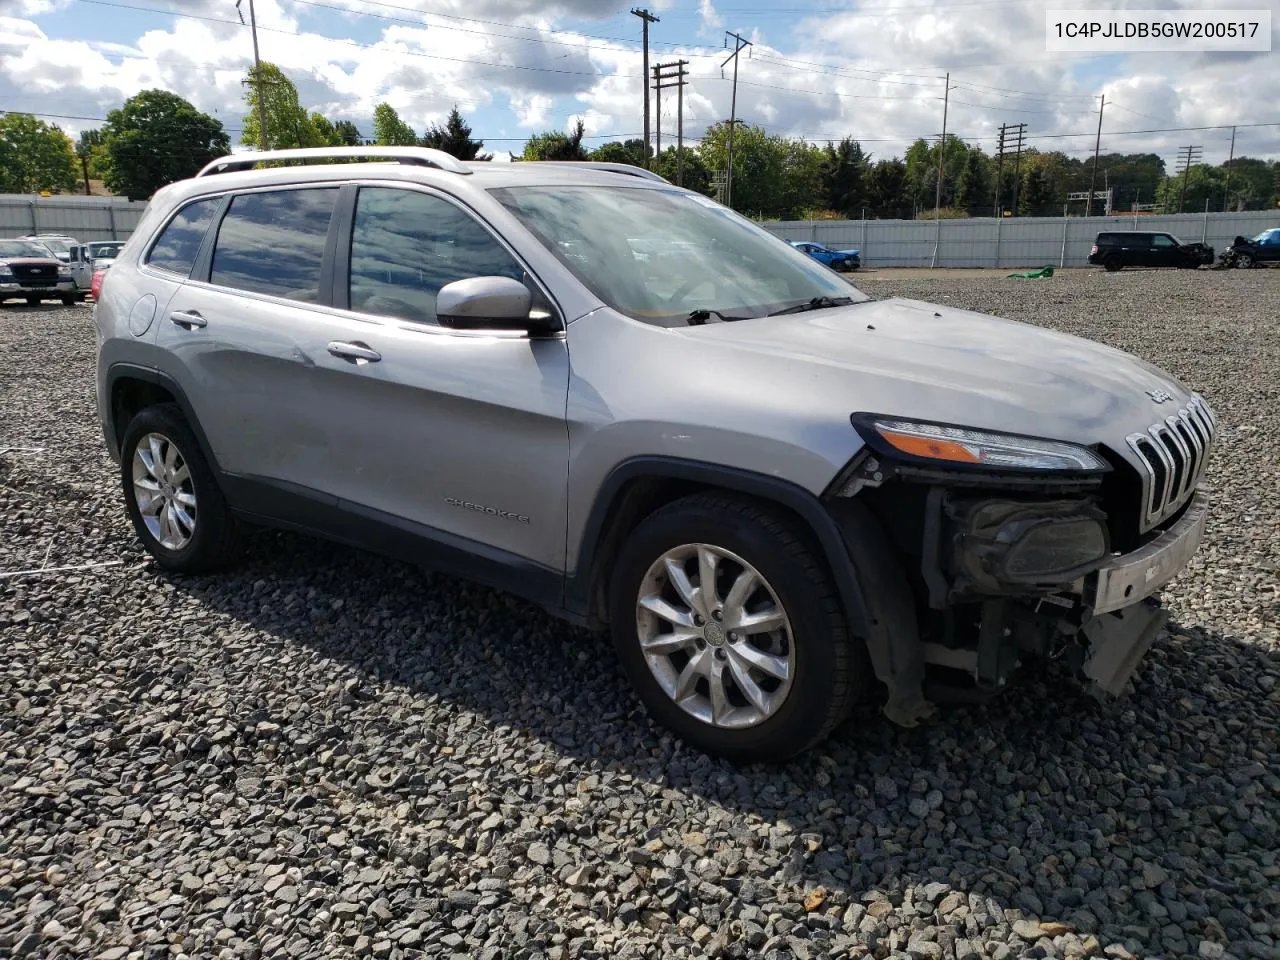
{"points": [[1135, 249]]}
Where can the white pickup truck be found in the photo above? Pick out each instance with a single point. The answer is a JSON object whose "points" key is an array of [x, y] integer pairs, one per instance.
{"points": [[87, 258]]}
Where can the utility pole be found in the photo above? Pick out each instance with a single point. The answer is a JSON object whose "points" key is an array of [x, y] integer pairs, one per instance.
{"points": [[666, 75], [657, 109], [996, 211], [646, 18], [942, 153], [739, 44], [1097, 144], [1017, 163], [257, 75], [1187, 156], [1226, 186]]}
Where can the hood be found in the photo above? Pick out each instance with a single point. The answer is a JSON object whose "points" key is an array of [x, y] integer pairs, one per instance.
{"points": [[31, 261], [918, 360]]}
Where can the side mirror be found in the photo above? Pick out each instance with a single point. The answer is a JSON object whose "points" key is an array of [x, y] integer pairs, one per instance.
{"points": [[488, 303]]}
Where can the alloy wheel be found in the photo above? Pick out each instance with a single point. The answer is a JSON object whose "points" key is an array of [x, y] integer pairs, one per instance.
{"points": [[715, 636], [163, 491]]}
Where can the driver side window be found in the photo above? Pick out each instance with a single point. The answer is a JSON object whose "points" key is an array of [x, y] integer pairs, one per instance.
{"points": [[1160, 240], [406, 245]]}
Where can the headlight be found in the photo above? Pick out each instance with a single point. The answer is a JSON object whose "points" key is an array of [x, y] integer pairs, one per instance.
{"points": [[64, 270], [5, 270], [961, 446]]}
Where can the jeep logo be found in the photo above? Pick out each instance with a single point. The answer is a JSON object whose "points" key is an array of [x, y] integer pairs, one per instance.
{"points": [[481, 508]]}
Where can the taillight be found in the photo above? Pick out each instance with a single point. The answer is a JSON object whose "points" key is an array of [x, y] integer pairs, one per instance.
{"points": [[1095, 249]]}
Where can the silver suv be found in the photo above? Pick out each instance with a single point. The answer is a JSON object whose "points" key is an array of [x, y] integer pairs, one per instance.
{"points": [[627, 403]]}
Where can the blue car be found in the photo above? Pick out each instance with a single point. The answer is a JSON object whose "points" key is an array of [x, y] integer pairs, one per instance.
{"points": [[841, 260]]}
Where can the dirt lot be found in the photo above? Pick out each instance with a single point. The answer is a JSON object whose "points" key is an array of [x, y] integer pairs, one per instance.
{"points": [[326, 754]]}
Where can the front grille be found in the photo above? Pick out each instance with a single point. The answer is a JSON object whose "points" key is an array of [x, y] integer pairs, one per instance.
{"points": [[1173, 453], [25, 273], [37, 284]]}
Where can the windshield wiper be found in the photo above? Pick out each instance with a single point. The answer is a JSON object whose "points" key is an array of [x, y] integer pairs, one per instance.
{"points": [[817, 303], [701, 316]]}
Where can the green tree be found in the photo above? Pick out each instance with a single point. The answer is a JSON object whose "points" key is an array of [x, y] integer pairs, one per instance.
{"points": [[91, 149], [454, 138], [557, 145], [347, 133], [288, 123], [889, 189], [773, 177], [630, 151], [325, 130], [156, 138], [695, 175], [1203, 184], [845, 174], [1037, 196], [1252, 185], [34, 156], [389, 130], [974, 184]]}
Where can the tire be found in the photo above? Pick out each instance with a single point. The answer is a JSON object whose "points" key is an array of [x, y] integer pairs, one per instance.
{"points": [[1244, 261], [33, 301], [826, 672], [211, 540], [70, 301], [1112, 264]]}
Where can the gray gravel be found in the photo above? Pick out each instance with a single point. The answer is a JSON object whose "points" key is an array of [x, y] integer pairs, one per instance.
{"points": [[327, 754]]}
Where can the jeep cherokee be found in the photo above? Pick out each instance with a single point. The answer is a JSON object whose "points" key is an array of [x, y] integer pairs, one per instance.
{"points": [[772, 489]]}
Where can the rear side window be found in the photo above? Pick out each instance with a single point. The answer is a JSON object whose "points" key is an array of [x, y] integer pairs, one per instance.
{"points": [[179, 242], [406, 245], [273, 243]]}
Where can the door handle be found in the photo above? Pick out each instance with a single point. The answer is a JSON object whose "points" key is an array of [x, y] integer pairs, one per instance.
{"points": [[355, 352], [188, 320]]}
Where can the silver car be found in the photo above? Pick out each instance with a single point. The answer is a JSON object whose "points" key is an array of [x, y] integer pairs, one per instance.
{"points": [[778, 494]]}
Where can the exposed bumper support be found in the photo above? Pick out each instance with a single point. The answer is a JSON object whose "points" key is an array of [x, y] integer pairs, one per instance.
{"points": [[1118, 642], [1125, 580]]}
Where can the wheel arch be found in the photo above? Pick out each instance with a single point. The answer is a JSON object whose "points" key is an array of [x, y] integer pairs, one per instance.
{"points": [[640, 485], [132, 388]]}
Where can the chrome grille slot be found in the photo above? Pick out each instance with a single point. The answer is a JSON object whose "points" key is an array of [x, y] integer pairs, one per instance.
{"points": [[1173, 454]]}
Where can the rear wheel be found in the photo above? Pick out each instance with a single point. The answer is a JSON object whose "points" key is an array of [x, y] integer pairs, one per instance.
{"points": [[172, 496], [729, 627], [1112, 263]]}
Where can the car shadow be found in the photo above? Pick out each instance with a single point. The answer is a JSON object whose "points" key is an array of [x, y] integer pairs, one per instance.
{"points": [[1041, 802]]}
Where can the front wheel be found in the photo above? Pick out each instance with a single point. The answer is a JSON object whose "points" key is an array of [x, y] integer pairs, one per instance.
{"points": [[172, 496], [727, 623], [70, 301], [1244, 261], [33, 301]]}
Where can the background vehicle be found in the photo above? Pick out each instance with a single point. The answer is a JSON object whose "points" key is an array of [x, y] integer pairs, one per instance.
{"points": [[95, 284], [28, 271], [86, 258], [770, 488], [1117, 249], [841, 260], [59, 243], [1245, 252]]}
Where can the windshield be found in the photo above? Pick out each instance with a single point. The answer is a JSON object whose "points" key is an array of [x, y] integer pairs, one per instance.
{"points": [[58, 246], [97, 250], [1265, 235], [23, 248], [695, 255]]}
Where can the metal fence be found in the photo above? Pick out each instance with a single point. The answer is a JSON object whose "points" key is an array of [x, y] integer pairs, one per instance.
{"points": [[85, 218], [1012, 242]]}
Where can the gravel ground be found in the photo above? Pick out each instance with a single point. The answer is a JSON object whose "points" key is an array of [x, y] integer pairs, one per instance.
{"points": [[331, 755]]}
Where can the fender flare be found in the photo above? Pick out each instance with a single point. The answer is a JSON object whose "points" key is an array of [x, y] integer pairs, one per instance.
{"points": [[132, 371]]}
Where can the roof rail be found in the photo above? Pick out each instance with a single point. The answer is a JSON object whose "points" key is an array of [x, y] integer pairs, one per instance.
{"points": [[625, 168], [415, 156]]}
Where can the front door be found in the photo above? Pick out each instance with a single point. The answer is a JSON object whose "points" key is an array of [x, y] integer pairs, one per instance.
{"points": [[81, 266], [460, 433], [1164, 251]]}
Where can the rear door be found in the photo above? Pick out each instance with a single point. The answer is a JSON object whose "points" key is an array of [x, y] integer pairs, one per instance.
{"points": [[458, 433], [232, 336], [81, 266]]}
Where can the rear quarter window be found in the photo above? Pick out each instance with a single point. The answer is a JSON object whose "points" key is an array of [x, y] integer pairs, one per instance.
{"points": [[175, 249]]}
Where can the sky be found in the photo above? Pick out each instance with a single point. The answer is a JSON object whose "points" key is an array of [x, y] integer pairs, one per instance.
{"points": [[817, 69]]}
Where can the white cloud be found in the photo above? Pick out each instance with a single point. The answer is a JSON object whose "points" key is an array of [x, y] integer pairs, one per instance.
{"points": [[708, 16]]}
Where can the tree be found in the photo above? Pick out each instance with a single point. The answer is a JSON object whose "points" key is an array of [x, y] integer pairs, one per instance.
{"points": [[288, 123], [1203, 183], [975, 184], [1252, 185], [845, 171], [348, 134], [557, 145], [156, 138], [889, 190], [1037, 197], [695, 174], [454, 138], [91, 152], [325, 130], [34, 156], [630, 151], [389, 130]]}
